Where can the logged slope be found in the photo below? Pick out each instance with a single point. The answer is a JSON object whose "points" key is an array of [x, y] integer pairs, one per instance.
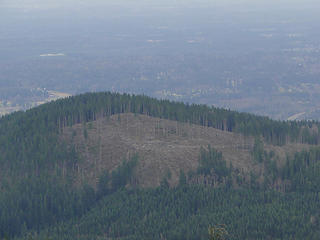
{"points": [[49, 154], [163, 146]]}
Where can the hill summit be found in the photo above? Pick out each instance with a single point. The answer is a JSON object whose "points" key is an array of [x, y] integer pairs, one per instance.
{"points": [[66, 159]]}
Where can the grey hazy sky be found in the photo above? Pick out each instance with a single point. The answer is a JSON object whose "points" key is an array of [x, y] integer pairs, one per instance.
{"points": [[45, 4], [9, 8]]}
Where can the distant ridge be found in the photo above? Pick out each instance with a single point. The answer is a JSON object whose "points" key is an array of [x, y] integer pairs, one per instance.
{"points": [[100, 150], [90, 106]]}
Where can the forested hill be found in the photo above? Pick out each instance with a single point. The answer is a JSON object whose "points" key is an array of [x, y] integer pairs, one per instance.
{"points": [[54, 116], [56, 176]]}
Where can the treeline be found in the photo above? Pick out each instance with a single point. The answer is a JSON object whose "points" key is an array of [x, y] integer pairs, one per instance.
{"points": [[35, 202], [88, 107], [185, 212], [37, 172], [211, 162], [252, 210], [38, 202], [300, 173]]}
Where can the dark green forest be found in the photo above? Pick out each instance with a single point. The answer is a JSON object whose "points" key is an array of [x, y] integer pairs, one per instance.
{"points": [[40, 200]]}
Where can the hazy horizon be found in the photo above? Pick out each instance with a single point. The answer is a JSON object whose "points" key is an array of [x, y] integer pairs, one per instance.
{"points": [[167, 49]]}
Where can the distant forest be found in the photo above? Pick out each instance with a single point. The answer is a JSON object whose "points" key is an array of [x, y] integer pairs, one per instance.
{"points": [[39, 199]]}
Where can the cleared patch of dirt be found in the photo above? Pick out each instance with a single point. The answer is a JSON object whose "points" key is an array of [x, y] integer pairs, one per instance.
{"points": [[162, 146]]}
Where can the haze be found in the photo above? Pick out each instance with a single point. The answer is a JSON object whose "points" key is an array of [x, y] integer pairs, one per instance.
{"points": [[256, 56]]}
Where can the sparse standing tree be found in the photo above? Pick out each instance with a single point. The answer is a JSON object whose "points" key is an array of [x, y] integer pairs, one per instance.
{"points": [[218, 232]]}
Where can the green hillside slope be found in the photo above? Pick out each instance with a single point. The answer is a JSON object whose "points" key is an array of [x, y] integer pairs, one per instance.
{"points": [[186, 212], [49, 188]]}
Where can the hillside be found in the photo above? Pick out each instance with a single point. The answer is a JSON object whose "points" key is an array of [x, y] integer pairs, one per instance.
{"points": [[162, 145], [88, 160]]}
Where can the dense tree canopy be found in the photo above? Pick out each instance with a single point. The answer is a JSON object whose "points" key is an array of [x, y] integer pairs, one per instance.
{"points": [[38, 193]]}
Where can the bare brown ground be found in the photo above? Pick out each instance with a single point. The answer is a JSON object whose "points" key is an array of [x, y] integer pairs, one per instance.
{"points": [[162, 146]]}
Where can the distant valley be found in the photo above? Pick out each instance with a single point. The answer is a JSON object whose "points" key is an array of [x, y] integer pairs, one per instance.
{"points": [[223, 57], [24, 99]]}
